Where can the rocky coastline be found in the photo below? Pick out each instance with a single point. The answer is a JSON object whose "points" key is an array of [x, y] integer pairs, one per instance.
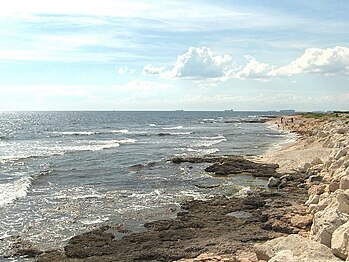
{"points": [[304, 216]]}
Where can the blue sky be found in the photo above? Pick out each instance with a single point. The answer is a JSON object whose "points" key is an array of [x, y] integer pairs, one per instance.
{"points": [[166, 55]]}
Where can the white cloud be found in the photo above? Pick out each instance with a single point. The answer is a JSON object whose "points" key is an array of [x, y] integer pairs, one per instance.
{"points": [[254, 70], [329, 61], [199, 62], [150, 69], [125, 70]]}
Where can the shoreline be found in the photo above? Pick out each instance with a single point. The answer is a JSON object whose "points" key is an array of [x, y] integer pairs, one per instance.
{"points": [[228, 229]]}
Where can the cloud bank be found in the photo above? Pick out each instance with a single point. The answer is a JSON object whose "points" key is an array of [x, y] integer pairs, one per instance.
{"points": [[329, 61], [201, 63]]}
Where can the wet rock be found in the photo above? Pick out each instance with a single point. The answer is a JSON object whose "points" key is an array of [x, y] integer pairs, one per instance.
{"points": [[206, 186], [22, 248], [96, 242], [218, 224], [224, 166], [51, 256]]}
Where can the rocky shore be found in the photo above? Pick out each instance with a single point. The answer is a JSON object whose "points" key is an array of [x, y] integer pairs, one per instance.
{"points": [[304, 216]]}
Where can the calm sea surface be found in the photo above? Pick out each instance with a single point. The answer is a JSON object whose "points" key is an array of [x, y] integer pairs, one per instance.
{"points": [[63, 173]]}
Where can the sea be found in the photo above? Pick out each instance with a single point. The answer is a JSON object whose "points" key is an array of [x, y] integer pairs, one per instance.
{"points": [[64, 173]]}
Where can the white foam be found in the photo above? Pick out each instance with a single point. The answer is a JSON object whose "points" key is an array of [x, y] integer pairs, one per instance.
{"points": [[91, 221], [93, 145], [152, 125], [180, 133], [121, 131], [213, 137], [9, 192], [78, 133], [175, 127], [203, 151], [208, 143]]}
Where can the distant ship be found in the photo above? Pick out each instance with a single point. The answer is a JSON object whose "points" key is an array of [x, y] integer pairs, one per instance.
{"points": [[229, 110], [179, 110]]}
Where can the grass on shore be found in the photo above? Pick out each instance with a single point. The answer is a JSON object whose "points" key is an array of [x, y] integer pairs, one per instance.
{"points": [[325, 115]]}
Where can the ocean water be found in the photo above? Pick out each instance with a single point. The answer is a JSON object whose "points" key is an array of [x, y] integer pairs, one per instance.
{"points": [[63, 173]]}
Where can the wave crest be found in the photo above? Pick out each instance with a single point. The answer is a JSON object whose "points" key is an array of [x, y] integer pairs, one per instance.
{"points": [[9, 192]]}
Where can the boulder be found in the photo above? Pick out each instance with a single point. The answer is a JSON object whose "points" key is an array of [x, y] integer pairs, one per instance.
{"points": [[328, 220], [317, 161], [273, 182], [342, 130], [302, 221], [313, 199], [344, 182], [282, 256], [340, 153], [333, 186], [305, 167], [321, 134], [294, 247], [316, 189], [314, 179], [340, 241]]}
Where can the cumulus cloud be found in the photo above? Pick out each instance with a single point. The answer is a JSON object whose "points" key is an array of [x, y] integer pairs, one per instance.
{"points": [[254, 70], [329, 61], [150, 69], [199, 62]]}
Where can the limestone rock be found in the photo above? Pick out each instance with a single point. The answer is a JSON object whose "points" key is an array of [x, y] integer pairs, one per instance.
{"points": [[305, 167], [302, 221], [316, 189], [340, 153], [273, 182], [317, 161], [342, 130], [313, 199], [344, 183], [328, 220], [333, 186], [294, 247], [321, 134], [283, 256], [314, 179], [340, 241]]}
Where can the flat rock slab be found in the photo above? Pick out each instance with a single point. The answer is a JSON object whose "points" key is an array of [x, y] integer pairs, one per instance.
{"points": [[218, 225], [230, 165]]}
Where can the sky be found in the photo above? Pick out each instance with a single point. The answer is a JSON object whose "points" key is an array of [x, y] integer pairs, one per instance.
{"points": [[168, 55]]}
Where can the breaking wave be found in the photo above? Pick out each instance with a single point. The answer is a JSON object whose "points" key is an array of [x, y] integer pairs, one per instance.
{"points": [[11, 191]]}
